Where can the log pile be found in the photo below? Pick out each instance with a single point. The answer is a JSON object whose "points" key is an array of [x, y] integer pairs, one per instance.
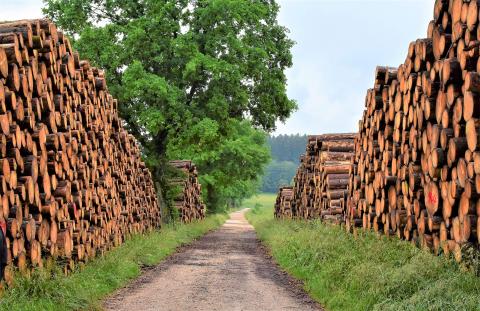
{"points": [[304, 186], [189, 201], [417, 159], [322, 178], [333, 166], [72, 183], [284, 203]]}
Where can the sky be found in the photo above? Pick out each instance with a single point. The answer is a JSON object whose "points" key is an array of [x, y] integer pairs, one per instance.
{"points": [[338, 45]]}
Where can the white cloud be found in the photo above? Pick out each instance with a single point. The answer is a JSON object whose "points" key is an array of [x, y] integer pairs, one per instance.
{"points": [[339, 44], [20, 9], [321, 108]]}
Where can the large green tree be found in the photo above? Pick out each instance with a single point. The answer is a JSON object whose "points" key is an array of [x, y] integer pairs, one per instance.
{"points": [[199, 79]]}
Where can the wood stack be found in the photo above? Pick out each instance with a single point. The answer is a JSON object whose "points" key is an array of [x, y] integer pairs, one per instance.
{"points": [[322, 179], [304, 182], [189, 199], [284, 203], [335, 153], [72, 183], [417, 160]]}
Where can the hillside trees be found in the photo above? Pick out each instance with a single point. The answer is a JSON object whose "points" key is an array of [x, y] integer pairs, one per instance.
{"points": [[286, 151], [278, 174], [197, 79], [287, 147]]}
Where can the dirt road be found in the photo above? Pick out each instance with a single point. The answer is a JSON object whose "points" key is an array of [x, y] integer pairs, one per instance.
{"points": [[225, 270]]}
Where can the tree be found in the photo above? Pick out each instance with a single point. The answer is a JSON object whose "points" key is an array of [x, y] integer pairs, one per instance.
{"points": [[188, 72], [232, 167]]}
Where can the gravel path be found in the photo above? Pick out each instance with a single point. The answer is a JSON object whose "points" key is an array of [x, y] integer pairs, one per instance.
{"points": [[225, 270]]}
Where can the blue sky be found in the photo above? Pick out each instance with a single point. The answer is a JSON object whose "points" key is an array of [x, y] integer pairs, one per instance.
{"points": [[338, 45]]}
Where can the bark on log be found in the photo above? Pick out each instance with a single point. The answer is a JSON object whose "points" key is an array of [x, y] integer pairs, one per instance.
{"points": [[321, 180], [72, 182], [421, 183], [189, 201]]}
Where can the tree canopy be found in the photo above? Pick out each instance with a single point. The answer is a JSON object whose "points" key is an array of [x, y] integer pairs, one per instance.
{"points": [[197, 79]]}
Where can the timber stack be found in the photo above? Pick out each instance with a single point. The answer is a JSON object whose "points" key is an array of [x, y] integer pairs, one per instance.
{"points": [[284, 203], [333, 166], [304, 182], [72, 183], [298, 187], [417, 159], [321, 182], [189, 201]]}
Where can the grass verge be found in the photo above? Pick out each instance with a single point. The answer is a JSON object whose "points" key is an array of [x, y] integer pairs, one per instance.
{"points": [[264, 200], [84, 289], [343, 272]]}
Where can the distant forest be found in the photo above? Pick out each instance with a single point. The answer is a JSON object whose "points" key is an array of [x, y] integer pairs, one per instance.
{"points": [[287, 147], [286, 151]]}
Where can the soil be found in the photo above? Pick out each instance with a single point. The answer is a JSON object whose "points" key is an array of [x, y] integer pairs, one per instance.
{"points": [[227, 269]]}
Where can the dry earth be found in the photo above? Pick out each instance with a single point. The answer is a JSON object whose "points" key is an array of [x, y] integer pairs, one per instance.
{"points": [[225, 270]]}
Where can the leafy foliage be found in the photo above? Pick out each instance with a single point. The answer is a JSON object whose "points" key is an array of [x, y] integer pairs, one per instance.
{"points": [[202, 72], [231, 168]]}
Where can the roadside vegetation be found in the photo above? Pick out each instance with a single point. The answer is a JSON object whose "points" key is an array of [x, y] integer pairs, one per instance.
{"points": [[343, 272], [49, 289]]}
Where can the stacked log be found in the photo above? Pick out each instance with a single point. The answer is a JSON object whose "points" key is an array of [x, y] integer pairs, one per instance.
{"points": [[321, 181], [189, 201], [417, 160], [299, 182], [304, 182], [333, 168], [284, 203], [72, 183]]}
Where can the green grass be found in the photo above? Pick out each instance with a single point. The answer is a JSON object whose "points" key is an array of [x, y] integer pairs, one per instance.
{"points": [[84, 289], [343, 272], [266, 200]]}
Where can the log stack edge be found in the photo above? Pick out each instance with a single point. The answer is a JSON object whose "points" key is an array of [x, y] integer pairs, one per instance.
{"points": [[415, 170], [72, 182], [188, 202]]}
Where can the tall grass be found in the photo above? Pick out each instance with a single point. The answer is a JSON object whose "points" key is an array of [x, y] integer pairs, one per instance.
{"points": [[344, 272], [51, 290]]}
